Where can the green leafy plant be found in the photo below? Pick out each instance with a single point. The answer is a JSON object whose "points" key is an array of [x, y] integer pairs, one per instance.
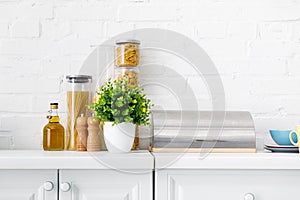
{"points": [[119, 102]]}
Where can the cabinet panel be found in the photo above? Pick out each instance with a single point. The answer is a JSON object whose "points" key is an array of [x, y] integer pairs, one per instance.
{"points": [[28, 184], [105, 184], [226, 184]]}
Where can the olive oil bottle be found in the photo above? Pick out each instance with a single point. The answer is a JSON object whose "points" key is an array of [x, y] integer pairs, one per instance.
{"points": [[53, 137]]}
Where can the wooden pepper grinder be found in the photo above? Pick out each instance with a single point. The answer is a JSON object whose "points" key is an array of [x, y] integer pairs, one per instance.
{"points": [[93, 140], [81, 126], [103, 145]]}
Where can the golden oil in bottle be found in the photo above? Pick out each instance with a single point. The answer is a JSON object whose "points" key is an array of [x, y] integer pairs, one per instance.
{"points": [[53, 133]]}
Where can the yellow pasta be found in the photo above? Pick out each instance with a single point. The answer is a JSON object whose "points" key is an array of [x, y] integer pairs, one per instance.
{"points": [[131, 76], [77, 104], [127, 54]]}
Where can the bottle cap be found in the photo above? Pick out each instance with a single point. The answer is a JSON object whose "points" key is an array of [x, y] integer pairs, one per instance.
{"points": [[53, 105]]}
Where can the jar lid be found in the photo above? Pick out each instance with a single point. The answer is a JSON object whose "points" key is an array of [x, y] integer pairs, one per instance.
{"points": [[78, 78], [128, 41]]}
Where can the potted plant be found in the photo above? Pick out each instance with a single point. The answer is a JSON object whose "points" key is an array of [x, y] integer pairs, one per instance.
{"points": [[120, 107]]}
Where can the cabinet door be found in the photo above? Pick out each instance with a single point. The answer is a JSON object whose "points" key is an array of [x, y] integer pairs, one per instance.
{"points": [[28, 184], [227, 184], [104, 184]]}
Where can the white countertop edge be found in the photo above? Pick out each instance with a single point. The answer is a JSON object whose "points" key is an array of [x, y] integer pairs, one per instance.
{"points": [[145, 161], [35, 159], [227, 161]]}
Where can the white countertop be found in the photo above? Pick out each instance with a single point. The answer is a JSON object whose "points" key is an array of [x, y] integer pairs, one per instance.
{"points": [[38, 159], [141, 160], [261, 160]]}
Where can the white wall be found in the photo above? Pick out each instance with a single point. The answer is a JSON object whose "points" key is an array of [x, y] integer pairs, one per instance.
{"points": [[255, 44]]}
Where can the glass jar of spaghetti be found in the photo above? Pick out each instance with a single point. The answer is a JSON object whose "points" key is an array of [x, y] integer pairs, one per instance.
{"points": [[127, 53], [78, 97]]}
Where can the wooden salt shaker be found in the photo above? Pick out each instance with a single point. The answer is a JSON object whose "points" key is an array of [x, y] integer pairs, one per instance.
{"points": [[93, 140], [81, 126]]}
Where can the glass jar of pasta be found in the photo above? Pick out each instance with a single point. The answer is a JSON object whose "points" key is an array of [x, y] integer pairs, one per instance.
{"points": [[127, 59], [129, 73], [78, 97], [127, 53]]}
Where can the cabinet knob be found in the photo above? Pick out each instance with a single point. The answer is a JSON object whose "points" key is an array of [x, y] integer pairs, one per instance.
{"points": [[48, 186], [65, 187], [249, 196]]}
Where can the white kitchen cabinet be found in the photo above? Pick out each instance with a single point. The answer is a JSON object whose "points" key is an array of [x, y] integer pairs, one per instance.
{"points": [[76, 184], [105, 184], [259, 176], [226, 184], [28, 184], [39, 175]]}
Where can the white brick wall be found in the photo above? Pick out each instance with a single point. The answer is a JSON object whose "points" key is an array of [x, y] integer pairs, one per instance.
{"points": [[255, 45], [25, 28], [3, 29]]}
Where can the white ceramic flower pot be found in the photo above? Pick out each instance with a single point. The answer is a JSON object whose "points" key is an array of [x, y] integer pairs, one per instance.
{"points": [[119, 138]]}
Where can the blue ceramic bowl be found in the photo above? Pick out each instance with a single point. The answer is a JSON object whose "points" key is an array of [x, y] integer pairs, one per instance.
{"points": [[281, 137]]}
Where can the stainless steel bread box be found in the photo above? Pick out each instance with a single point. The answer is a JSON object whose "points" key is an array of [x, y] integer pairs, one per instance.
{"points": [[203, 131]]}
